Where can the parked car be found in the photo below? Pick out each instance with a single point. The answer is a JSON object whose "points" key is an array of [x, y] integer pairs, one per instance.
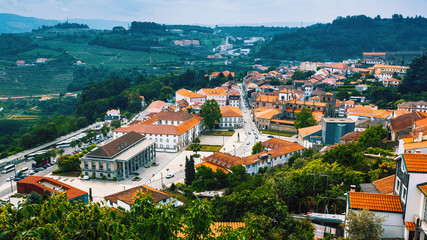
{"points": [[170, 175], [85, 178], [248, 143], [256, 136], [269, 136], [39, 169], [249, 132], [31, 172]]}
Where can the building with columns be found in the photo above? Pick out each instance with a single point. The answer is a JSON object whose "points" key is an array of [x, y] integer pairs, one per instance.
{"points": [[120, 158]]}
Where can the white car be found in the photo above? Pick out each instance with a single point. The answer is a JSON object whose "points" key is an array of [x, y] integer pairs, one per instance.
{"points": [[170, 175], [85, 178], [248, 143], [10, 179]]}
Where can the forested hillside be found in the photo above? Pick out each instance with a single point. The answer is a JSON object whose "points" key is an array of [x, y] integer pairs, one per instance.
{"points": [[348, 37]]}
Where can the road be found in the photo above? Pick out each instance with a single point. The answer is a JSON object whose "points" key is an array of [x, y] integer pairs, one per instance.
{"points": [[21, 155]]}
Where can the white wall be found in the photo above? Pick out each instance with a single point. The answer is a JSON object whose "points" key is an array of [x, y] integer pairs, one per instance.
{"points": [[414, 196]]}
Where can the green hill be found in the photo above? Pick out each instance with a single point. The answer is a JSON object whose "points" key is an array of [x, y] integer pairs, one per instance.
{"points": [[11, 23], [347, 38]]}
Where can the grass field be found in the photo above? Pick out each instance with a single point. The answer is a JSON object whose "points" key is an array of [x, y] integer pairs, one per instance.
{"points": [[29, 115], [207, 148], [39, 52], [278, 133], [219, 133]]}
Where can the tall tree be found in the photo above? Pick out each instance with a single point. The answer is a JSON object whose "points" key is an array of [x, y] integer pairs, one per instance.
{"points": [[190, 171], [195, 147], [373, 136], [304, 119], [211, 113], [416, 77]]}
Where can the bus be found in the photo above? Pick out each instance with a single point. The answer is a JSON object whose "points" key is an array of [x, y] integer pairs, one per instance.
{"points": [[8, 168], [23, 169]]}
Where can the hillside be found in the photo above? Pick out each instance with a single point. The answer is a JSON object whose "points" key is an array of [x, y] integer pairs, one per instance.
{"points": [[347, 38], [11, 23]]}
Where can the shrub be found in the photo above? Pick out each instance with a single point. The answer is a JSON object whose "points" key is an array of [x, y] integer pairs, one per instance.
{"points": [[93, 176], [59, 170], [173, 187], [104, 177], [196, 155], [81, 175], [114, 179]]}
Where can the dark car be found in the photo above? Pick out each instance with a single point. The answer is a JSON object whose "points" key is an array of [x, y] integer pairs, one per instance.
{"points": [[269, 136]]}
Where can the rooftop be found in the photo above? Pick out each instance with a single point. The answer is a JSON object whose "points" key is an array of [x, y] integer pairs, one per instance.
{"points": [[415, 162], [374, 202], [128, 195], [385, 185], [53, 186], [116, 146], [303, 132], [230, 111]]}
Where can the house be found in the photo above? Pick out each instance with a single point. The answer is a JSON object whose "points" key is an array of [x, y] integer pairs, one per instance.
{"points": [[120, 158], [363, 112], [362, 125], [285, 95], [157, 106], [218, 94], [226, 74], [231, 117], [384, 185], [276, 151], [111, 115], [309, 136], [189, 96], [335, 128], [402, 125], [263, 116], [391, 82], [382, 72], [265, 101], [41, 60], [350, 137], [382, 205], [310, 66], [48, 186], [125, 199], [170, 131], [420, 106], [342, 106]]}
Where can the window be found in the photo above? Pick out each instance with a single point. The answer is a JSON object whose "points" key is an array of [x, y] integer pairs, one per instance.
{"points": [[109, 167], [397, 187], [403, 194], [93, 165], [86, 165], [101, 166]]}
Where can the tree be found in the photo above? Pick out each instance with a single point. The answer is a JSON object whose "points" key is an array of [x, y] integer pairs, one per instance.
{"points": [[211, 113], [196, 145], [69, 163], [115, 124], [190, 172], [33, 198], [257, 148], [415, 79], [363, 225], [341, 95], [105, 130], [373, 137], [304, 119]]}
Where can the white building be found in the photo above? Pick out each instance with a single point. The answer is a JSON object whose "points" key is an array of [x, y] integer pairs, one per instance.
{"points": [[120, 158], [218, 94], [111, 115], [189, 96], [285, 95], [231, 117], [171, 131], [125, 199]]}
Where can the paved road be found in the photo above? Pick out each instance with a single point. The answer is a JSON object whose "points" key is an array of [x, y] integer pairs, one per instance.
{"points": [[21, 155]]}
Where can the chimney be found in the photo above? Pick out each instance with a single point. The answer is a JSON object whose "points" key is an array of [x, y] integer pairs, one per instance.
{"points": [[420, 136], [352, 188]]}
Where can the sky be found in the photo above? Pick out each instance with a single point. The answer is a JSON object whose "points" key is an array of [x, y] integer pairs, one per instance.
{"points": [[211, 12]]}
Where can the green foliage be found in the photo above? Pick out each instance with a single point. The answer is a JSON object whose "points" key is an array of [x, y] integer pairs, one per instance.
{"points": [[13, 44], [364, 225], [114, 179], [69, 162], [190, 172], [335, 41], [342, 94], [415, 80], [104, 177], [195, 147], [211, 113], [349, 155], [257, 148], [304, 119], [93, 176], [146, 27], [34, 198], [373, 137]]}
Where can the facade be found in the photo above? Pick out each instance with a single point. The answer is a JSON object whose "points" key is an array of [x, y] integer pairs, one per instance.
{"points": [[403, 124], [170, 131], [218, 94], [157, 106], [310, 136], [48, 186], [234, 99], [263, 116], [189, 96], [335, 128], [125, 199], [120, 158], [231, 117], [420, 106], [111, 115], [276, 152]]}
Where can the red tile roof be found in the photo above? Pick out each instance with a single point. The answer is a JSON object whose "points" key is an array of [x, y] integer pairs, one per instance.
{"points": [[37, 182], [351, 136], [374, 202], [415, 162], [385, 185], [230, 111], [118, 145], [405, 121], [128, 196]]}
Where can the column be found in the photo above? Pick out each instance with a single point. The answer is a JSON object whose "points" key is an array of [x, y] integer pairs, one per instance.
{"points": [[124, 170]]}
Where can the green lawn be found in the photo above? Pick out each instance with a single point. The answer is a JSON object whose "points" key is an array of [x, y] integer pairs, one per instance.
{"points": [[277, 133], [68, 174], [207, 148], [219, 133]]}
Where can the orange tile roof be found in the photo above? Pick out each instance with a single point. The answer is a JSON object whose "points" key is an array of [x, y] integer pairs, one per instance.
{"points": [[268, 114], [410, 226], [260, 109], [189, 94], [70, 191], [230, 111], [266, 98], [211, 166], [415, 145], [374, 53], [415, 162], [421, 122], [128, 196], [213, 91], [309, 130], [385, 185], [423, 188], [374, 202]]}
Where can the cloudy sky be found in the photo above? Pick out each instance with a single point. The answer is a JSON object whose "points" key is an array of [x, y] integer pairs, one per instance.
{"points": [[212, 11]]}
